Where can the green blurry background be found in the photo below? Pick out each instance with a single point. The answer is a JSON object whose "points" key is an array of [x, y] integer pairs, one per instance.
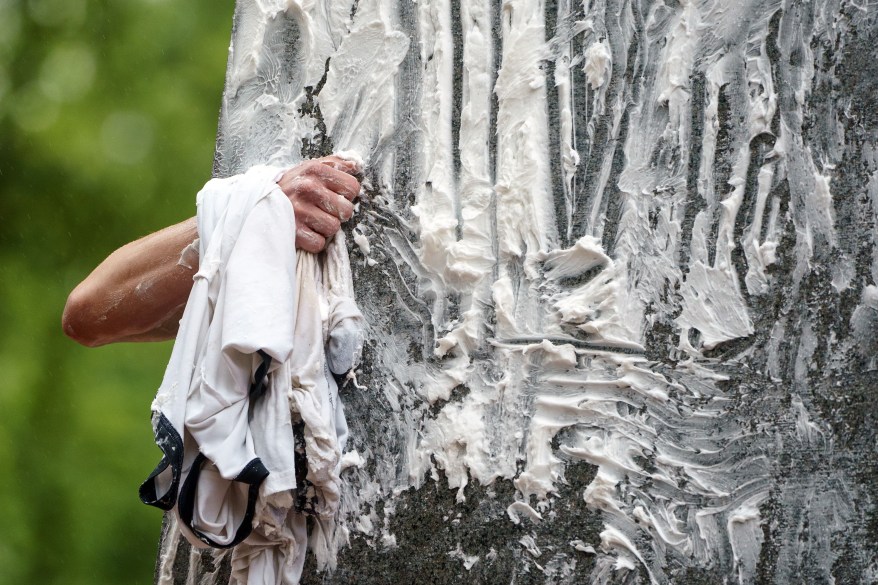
{"points": [[108, 114]]}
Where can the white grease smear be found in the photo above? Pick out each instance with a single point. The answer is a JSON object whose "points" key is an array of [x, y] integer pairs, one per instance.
{"points": [[518, 509], [547, 339], [598, 64], [468, 560]]}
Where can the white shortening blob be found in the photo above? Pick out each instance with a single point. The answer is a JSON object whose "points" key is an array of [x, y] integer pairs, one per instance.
{"points": [[598, 64], [760, 254], [262, 98], [524, 200], [568, 153], [587, 253], [358, 99], [468, 560], [676, 62], [597, 307], [517, 509], [712, 299], [264, 95], [467, 438], [472, 257], [437, 201], [457, 440], [744, 524], [712, 304], [460, 439]]}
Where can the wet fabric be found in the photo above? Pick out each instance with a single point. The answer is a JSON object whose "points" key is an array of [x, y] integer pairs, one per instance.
{"points": [[262, 331]]}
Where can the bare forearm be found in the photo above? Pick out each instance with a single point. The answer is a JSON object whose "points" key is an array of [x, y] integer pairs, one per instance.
{"points": [[137, 294]]}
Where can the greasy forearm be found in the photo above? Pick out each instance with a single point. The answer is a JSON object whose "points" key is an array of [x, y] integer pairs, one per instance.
{"points": [[137, 294]]}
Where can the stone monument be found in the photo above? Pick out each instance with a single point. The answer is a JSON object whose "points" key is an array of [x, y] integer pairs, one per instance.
{"points": [[618, 260]]}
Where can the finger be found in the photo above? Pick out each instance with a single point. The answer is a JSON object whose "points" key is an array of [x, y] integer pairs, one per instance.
{"points": [[321, 222], [336, 205], [309, 241], [336, 180], [327, 200], [345, 208], [342, 164]]}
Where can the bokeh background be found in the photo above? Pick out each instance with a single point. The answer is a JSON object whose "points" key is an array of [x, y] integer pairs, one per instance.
{"points": [[108, 114]]}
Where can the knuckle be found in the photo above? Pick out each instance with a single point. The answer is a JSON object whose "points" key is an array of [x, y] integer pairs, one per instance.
{"points": [[300, 210], [309, 221], [326, 224], [309, 217], [353, 189], [316, 223], [309, 241], [307, 184], [334, 224], [286, 185], [323, 196], [311, 167]]}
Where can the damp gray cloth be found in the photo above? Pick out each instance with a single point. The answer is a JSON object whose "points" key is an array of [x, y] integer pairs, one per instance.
{"points": [[344, 320]]}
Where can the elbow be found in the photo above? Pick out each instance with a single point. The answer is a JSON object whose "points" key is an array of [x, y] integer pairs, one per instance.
{"points": [[77, 321]]}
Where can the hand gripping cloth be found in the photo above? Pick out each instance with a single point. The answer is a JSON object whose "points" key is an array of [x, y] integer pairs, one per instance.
{"points": [[249, 378]]}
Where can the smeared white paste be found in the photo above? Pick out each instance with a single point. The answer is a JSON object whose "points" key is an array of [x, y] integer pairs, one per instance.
{"points": [[518, 509], [189, 256], [546, 340], [468, 560], [598, 64], [582, 547]]}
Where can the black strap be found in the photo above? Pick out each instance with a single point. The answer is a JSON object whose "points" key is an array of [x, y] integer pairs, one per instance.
{"points": [[169, 441], [171, 444], [253, 474], [260, 379]]}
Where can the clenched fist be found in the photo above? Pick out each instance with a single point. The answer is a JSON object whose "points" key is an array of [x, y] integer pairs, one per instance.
{"points": [[321, 191]]}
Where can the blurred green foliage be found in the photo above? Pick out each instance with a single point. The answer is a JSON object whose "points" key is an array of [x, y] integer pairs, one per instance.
{"points": [[108, 114]]}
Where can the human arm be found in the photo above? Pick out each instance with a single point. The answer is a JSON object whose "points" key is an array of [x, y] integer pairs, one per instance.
{"points": [[139, 292]]}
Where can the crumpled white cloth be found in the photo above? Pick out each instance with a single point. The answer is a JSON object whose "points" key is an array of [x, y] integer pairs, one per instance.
{"points": [[255, 302], [333, 327]]}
